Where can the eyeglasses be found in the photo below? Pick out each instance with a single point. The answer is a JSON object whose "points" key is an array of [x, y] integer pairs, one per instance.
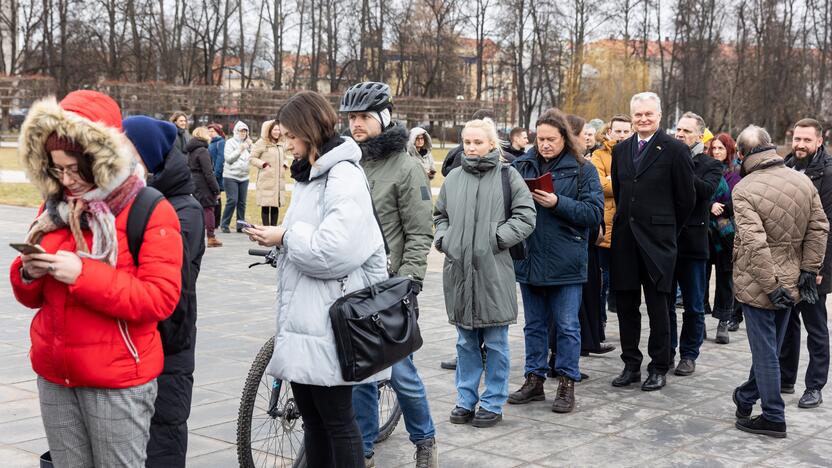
{"points": [[58, 172]]}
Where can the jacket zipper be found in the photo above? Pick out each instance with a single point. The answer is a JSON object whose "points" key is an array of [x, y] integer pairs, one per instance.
{"points": [[125, 336]]}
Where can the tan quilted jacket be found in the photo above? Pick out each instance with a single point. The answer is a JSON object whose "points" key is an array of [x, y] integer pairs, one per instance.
{"points": [[781, 229]]}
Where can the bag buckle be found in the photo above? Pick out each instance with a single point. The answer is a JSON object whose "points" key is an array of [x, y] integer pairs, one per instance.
{"points": [[343, 283], [376, 320]]}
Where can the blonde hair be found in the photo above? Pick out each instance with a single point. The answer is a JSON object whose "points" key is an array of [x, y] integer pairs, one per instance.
{"points": [[486, 125], [202, 133]]}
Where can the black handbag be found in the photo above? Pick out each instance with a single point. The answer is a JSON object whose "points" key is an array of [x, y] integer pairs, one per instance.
{"points": [[375, 327]]}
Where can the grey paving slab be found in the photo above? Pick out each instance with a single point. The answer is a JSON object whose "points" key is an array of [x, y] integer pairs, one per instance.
{"points": [[688, 424]]}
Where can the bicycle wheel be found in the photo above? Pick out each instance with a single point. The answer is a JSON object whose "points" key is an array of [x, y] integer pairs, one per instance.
{"points": [[389, 411], [269, 427]]}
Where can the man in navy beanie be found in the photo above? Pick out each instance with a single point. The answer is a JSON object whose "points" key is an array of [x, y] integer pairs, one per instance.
{"points": [[169, 173]]}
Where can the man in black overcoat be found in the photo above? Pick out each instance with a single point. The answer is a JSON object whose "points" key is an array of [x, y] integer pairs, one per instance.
{"points": [[652, 178]]}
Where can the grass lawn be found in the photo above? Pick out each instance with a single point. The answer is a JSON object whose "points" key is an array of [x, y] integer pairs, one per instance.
{"points": [[20, 195], [8, 160]]}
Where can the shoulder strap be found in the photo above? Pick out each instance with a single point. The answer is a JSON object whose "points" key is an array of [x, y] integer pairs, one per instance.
{"points": [[370, 191], [504, 175], [143, 206]]}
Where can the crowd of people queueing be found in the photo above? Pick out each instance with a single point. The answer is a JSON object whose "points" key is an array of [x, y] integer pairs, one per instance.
{"points": [[610, 214]]}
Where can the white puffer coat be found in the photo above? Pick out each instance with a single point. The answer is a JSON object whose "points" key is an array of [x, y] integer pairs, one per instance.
{"points": [[331, 234]]}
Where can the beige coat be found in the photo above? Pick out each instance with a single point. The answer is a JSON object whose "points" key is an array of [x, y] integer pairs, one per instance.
{"points": [[781, 229], [271, 183], [602, 160]]}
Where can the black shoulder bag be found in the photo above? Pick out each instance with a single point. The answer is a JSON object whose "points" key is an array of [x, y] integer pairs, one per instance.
{"points": [[375, 327]]}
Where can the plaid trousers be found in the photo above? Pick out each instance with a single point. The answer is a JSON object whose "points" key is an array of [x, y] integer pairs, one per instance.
{"points": [[97, 427]]}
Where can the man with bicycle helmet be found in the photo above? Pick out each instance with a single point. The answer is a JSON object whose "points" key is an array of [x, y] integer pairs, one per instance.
{"points": [[402, 198]]}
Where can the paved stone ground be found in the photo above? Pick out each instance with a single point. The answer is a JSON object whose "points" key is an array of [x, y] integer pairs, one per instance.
{"points": [[689, 423]]}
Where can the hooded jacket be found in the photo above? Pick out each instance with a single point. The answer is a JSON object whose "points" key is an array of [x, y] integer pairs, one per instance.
{"points": [[100, 331], [557, 250], [271, 183], [473, 232], [402, 199], [426, 160], [331, 234], [236, 155], [781, 229], [819, 171]]}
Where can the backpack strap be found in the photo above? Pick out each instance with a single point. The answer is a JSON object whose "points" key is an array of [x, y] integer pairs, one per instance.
{"points": [[143, 206], [504, 176]]}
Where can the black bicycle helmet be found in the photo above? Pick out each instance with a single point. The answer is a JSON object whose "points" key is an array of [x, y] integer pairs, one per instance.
{"points": [[367, 96]]}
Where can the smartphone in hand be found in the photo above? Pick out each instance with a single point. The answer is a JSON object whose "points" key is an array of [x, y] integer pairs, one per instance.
{"points": [[27, 249]]}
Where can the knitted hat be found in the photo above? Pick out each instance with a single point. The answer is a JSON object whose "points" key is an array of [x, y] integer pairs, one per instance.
{"points": [[55, 142], [382, 117], [152, 138]]}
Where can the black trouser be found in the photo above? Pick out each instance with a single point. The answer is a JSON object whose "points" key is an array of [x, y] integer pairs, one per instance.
{"points": [[592, 327], [817, 341], [724, 305], [168, 444], [330, 433], [629, 324], [269, 215], [218, 213]]}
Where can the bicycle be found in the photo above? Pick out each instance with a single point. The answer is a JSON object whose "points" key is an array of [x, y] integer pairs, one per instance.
{"points": [[267, 404]]}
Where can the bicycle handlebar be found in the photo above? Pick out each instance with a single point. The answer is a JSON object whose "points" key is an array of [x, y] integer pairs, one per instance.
{"points": [[258, 252]]}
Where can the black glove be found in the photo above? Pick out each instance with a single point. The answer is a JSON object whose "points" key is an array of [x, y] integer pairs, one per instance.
{"points": [[781, 298], [808, 287], [416, 287]]}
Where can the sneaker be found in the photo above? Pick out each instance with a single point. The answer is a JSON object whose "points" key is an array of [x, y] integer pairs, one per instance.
{"points": [[565, 399], [370, 462], [722, 336], [485, 418], [427, 455], [532, 390], [685, 367], [225, 230], [811, 399], [460, 415], [761, 425], [733, 325]]}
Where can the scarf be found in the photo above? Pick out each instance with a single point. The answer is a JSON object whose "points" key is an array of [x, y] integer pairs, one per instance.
{"points": [[95, 211], [722, 226], [300, 169]]}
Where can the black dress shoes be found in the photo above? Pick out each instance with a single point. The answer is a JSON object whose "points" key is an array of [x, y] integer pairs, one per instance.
{"points": [[626, 378], [654, 382], [761, 425], [811, 399], [603, 349]]}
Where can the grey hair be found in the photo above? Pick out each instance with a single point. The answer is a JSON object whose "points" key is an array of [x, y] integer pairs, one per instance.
{"points": [[752, 137], [646, 96], [700, 122]]}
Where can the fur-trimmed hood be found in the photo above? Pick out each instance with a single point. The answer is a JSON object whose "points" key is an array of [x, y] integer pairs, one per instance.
{"points": [[416, 131], [114, 157], [391, 141]]}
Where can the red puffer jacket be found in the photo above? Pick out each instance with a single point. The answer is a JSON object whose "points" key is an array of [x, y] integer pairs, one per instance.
{"points": [[101, 331]]}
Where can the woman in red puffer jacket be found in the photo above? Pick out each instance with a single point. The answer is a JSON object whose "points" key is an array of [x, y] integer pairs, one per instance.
{"points": [[95, 345]]}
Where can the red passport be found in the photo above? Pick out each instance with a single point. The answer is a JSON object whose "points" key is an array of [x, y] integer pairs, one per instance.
{"points": [[543, 182]]}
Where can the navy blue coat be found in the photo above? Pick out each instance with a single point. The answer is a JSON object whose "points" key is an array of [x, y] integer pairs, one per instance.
{"points": [[557, 249]]}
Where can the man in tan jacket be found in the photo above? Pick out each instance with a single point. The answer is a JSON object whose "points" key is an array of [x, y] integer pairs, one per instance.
{"points": [[778, 251]]}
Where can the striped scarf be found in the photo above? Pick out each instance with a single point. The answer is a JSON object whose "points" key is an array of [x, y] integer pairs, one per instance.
{"points": [[95, 211]]}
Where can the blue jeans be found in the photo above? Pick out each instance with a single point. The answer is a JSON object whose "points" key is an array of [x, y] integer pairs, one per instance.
{"points": [[469, 368], [766, 331], [691, 275], [540, 305], [410, 391], [236, 192]]}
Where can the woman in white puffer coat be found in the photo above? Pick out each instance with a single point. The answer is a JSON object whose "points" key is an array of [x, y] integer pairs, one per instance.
{"points": [[329, 233]]}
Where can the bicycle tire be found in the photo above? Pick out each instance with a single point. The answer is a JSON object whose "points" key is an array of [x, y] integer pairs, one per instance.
{"points": [[389, 411], [245, 455]]}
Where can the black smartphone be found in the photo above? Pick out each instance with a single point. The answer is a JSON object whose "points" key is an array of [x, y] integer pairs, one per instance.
{"points": [[243, 224], [26, 249]]}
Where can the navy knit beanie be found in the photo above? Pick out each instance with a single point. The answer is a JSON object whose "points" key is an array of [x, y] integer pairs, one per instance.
{"points": [[152, 138]]}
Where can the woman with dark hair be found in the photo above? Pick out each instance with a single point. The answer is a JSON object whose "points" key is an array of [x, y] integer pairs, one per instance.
{"points": [[180, 119], [216, 148], [95, 343], [552, 275], [721, 232], [328, 245], [206, 188]]}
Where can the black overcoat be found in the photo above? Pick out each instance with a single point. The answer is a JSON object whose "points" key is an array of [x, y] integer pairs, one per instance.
{"points": [[693, 240]]}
